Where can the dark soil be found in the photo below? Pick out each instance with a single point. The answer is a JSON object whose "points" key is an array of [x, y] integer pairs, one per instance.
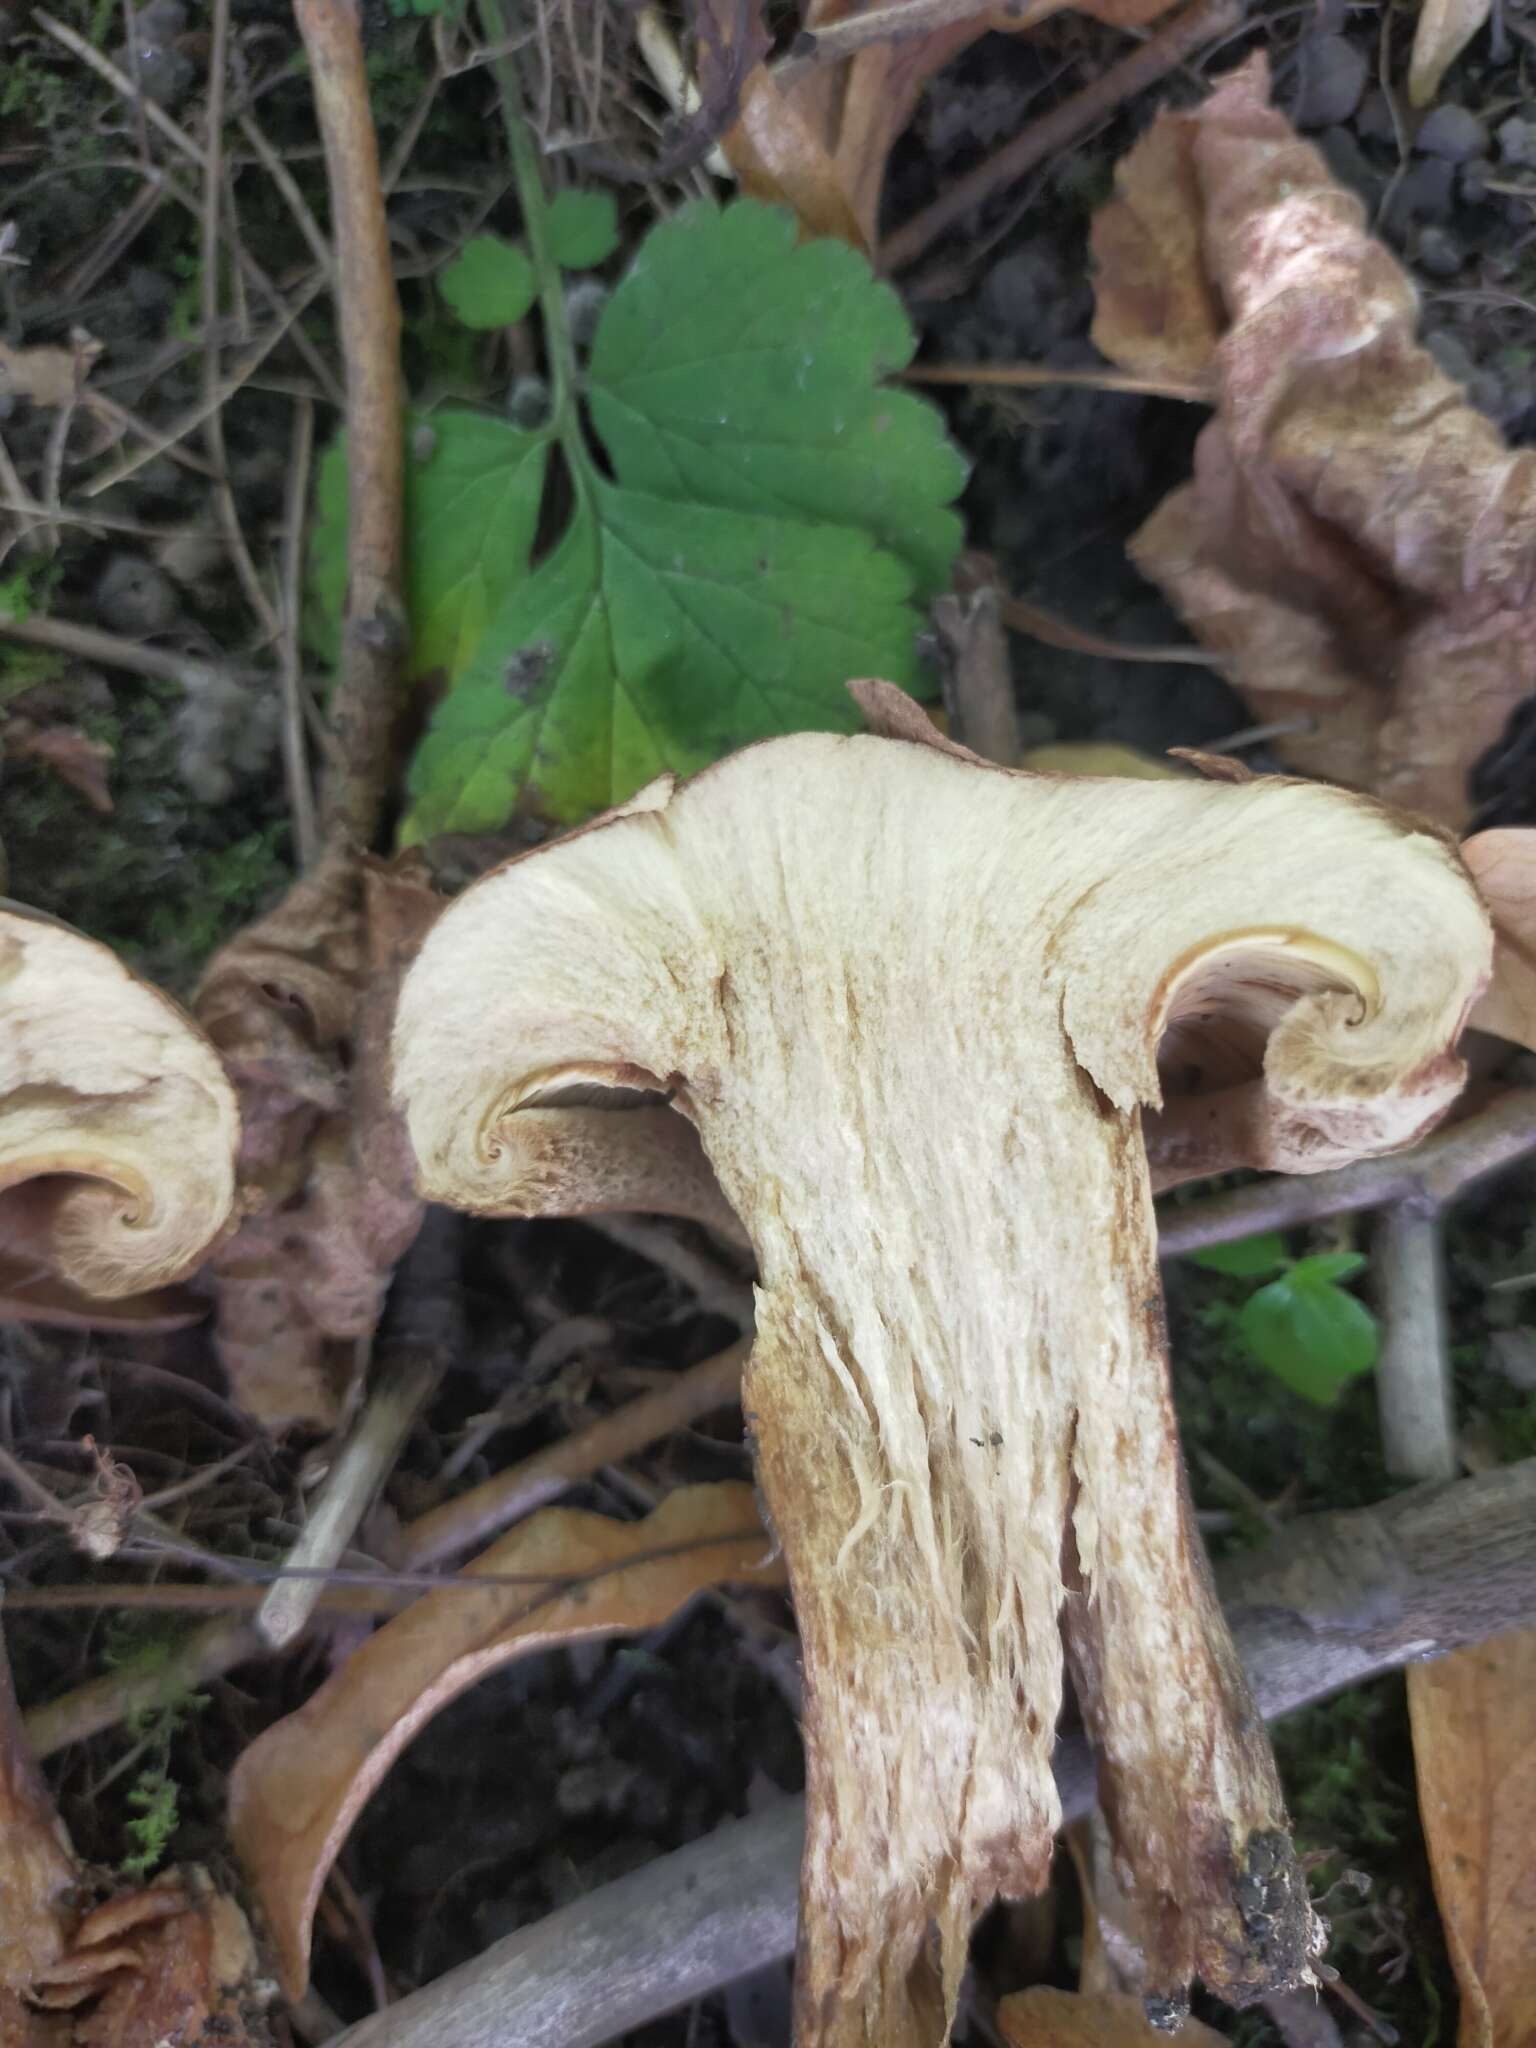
{"points": [[573, 1768]]}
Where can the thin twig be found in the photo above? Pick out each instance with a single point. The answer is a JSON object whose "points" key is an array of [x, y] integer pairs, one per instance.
{"points": [[119, 81], [977, 679], [89, 643], [208, 298], [1413, 1373], [212, 401], [652, 1239], [471, 1517], [297, 204], [301, 798], [421, 1332], [1432, 1174], [1031, 376], [366, 704], [892, 23], [1038, 624], [1163, 52]]}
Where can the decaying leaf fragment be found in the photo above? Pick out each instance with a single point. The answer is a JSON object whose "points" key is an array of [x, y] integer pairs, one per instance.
{"points": [[1474, 1751], [299, 1007], [1357, 541], [918, 1064], [1503, 865], [820, 143], [38, 1876], [297, 1789], [1043, 2018], [1443, 30], [117, 1129]]}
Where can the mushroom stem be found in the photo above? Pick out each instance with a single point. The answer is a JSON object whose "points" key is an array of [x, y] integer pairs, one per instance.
{"points": [[983, 1424]]}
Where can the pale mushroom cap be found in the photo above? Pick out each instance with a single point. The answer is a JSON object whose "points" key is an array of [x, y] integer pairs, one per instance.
{"points": [[1348, 944], [118, 1127]]}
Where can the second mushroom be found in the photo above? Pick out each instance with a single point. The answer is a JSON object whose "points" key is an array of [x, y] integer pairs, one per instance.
{"points": [[917, 1009]]}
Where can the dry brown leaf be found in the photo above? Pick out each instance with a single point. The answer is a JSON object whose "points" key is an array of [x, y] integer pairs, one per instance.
{"points": [[80, 762], [774, 145], [1474, 1747], [1357, 541], [297, 1789], [1503, 865], [1042, 2018], [46, 376], [299, 1005], [1444, 29]]}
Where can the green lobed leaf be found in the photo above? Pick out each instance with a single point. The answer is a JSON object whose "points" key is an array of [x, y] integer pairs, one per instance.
{"points": [[489, 283], [583, 228], [473, 488], [738, 365], [1309, 1333], [774, 513], [658, 636], [1247, 1258]]}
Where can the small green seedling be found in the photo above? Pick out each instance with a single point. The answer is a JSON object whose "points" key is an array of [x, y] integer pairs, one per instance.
{"points": [[1302, 1326]]}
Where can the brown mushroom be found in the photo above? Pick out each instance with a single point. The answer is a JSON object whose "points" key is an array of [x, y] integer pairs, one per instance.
{"points": [[117, 1128], [914, 1006]]}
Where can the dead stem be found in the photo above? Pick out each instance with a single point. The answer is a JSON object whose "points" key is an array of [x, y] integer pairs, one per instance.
{"points": [[301, 797], [366, 704], [1413, 1373], [208, 300], [473, 1516], [1163, 52], [1434, 1173], [1030, 376]]}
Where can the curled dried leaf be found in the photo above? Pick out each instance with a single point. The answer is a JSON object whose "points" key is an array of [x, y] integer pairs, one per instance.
{"points": [[299, 1005], [1357, 541], [297, 1789], [117, 1125], [1503, 865]]}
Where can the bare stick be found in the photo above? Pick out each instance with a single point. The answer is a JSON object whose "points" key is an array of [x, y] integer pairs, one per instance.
{"points": [[890, 24], [88, 643], [651, 1239], [1154, 59], [1431, 1174], [978, 679], [423, 1327], [1339, 1599], [471, 1517], [1051, 631], [119, 81], [1043, 375], [301, 797], [102, 1702], [1413, 1373], [208, 293], [366, 706]]}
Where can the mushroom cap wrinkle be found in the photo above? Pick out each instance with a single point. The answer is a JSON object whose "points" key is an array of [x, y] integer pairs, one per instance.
{"points": [[914, 1007], [118, 1126]]}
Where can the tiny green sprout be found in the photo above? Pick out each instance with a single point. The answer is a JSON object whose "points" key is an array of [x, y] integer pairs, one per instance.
{"points": [[1302, 1326]]}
